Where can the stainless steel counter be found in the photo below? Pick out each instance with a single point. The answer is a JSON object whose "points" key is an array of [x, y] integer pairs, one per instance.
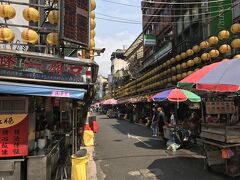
{"points": [[41, 164]]}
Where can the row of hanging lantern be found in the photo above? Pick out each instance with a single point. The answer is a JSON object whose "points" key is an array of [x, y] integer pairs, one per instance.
{"points": [[92, 28], [148, 80], [32, 15]]}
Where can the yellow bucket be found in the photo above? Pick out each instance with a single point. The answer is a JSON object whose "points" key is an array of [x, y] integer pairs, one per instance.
{"points": [[79, 167]]}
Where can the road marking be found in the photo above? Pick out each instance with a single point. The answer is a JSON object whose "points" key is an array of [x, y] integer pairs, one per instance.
{"points": [[137, 138]]}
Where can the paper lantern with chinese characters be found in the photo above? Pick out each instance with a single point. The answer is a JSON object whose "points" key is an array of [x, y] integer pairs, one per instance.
{"points": [[53, 17], [30, 36], [197, 60], [205, 56], [6, 34], [190, 52], [52, 39], [235, 28], [7, 11], [213, 40], [224, 34], [184, 65], [204, 45], [214, 53], [93, 5], [31, 14], [92, 24], [196, 49], [224, 48], [190, 63], [235, 43], [183, 55], [92, 34], [178, 58], [92, 43]]}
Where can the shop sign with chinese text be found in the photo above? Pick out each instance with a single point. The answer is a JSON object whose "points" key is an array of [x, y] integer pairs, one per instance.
{"points": [[13, 135], [34, 68]]}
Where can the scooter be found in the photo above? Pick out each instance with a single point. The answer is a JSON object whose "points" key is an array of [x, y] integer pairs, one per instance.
{"points": [[182, 137]]}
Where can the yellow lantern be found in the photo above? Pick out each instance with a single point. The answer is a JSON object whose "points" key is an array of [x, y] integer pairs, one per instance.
{"points": [[172, 60], [183, 55], [235, 28], [164, 65], [53, 17], [190, 52], [31, 14], [189, 72], [196, 49], [204, 45], [178, 58], [7, 11], [169, 79], [92, 14], [52, 39], [165, 81], [235, 43], [6, 34], [92, 34], [190, 63], [205, 56], [179, 77], [93, 5], [224, 48], [197, 60], [213, 40], [169, 71], [224, 34], [184, 65], [196, 69], [174, 78], [92, 24], [30, 36], [164, 73], [184, 75], [214, 53], [173, 69], [237, 56], [168, 62], [178, 67]]}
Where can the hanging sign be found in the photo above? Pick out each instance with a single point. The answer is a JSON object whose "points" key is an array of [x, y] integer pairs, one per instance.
{"points": [[13, 135], [34, 68]]}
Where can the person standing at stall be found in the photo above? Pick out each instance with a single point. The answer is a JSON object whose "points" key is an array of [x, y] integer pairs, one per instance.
{"points": [[195, 124], [162, 119], [155, 120]]}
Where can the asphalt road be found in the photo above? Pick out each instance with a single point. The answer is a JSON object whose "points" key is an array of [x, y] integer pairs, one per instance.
{"points": [[126, 151]]}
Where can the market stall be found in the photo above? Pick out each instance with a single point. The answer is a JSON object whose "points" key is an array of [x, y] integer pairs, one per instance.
{"points": [[220, 131]]}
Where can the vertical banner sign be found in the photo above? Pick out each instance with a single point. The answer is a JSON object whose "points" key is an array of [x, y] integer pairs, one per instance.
{"points": [[221, 15], [75, 21], [13, 135]]}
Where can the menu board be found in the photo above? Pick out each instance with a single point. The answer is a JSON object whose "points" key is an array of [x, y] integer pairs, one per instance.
{"points": [[75, 21], [13, 135], [220, 107]]}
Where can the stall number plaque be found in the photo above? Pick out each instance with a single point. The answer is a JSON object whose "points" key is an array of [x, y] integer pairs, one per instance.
{"points": [[13, 135]]}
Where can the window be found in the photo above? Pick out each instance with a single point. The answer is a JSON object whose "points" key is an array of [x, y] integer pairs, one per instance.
{"points": [[236, 9]]}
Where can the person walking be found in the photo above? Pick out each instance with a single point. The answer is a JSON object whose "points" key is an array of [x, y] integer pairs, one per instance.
{"points": [[155, 120], [162, 119]]}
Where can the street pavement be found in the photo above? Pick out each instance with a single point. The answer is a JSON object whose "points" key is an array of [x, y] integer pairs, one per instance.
{"points": [[127, 151]]}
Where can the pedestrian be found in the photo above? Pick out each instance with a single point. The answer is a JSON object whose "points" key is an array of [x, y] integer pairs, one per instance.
{"points": [[155, 120], [194, 124], [162, 119], [172, 119]]}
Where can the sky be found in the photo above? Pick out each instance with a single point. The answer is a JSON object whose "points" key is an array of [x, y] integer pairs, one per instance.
{"points": [[115, 35]]}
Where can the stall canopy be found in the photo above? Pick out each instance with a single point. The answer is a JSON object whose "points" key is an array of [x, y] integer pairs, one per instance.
{"points": [[221, 76], [41, 90]]}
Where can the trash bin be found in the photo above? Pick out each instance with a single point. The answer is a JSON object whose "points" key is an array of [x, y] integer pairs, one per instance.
{"points": [[79, 167]]}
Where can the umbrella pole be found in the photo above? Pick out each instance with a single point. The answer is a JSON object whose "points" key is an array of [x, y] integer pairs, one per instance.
{"points": [[176, 112], [203, 118]]}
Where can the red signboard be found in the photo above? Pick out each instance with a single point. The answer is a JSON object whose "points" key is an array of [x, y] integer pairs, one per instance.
{"points": [[75, 21], [13, 135]]}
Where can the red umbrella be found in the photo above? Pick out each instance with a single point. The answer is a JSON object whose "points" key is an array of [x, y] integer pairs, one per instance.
{"points": [[221, 76]]}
